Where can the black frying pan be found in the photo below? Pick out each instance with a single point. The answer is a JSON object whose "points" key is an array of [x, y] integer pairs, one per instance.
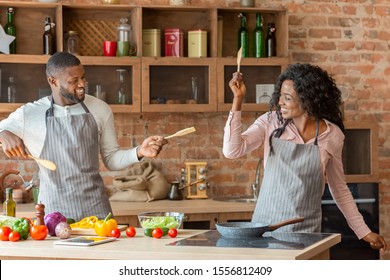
{"points": [[250, 229]]}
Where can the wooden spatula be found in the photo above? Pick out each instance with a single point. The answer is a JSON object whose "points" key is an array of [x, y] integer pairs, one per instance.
{"points": [[239, 56], [44, 162], [182, 132]]}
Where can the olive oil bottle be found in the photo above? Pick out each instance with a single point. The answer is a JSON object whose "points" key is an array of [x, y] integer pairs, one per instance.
{"points": [[9, 206]]}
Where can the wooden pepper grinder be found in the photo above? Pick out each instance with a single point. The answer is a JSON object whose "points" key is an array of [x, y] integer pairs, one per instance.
{"points": [[40, 214]]}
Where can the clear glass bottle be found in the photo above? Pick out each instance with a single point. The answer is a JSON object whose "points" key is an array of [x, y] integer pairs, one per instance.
{"points": [[259, 37], [243, 36], [271, 40], [9, 206], [11, 91], [10, 29], [49, 37], [121, 88], [99, 93]]}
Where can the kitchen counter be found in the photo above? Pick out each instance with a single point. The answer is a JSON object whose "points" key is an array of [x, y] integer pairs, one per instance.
{"points": [[147, 248], [194, 209]]}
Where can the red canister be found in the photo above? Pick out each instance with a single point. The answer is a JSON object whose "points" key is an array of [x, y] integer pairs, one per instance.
{"points": [[174, 42]]}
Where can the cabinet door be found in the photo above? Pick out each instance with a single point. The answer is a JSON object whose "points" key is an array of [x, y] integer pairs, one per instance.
{"points": [[167, 84], [259, 75]]}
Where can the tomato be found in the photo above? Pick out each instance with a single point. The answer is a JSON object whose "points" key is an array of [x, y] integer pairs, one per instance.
{"points": [[39, 232], [157, 233], [14, 236], [130, 232], [4, 233], [115, 233], [172, 232]]}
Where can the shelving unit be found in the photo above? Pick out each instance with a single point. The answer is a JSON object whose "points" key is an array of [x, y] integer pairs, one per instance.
{"points": [[165, 79]]}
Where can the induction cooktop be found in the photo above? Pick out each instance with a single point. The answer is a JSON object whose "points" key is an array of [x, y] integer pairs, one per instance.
{"points": [[269, 240]]}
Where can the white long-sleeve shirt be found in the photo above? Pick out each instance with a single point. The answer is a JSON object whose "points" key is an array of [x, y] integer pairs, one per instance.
{"points": [[29, 123]]}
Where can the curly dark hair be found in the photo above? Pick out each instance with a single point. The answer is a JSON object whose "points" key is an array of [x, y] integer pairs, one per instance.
{"points": [[317, 91]]}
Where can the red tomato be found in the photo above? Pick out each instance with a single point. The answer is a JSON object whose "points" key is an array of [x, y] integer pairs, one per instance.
{"points": [[115, 233], [172, 232], [39, 232], [14, 236], [157, 233], [4, 233], [130, 232]]}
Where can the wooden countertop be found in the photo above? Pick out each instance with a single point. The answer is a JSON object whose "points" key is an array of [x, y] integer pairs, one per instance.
{"points": [[147, 248], [186, 206]]}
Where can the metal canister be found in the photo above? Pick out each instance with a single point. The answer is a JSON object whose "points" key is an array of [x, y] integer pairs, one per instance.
{"points": [[174, 42], [151, 42], [197, 43]]}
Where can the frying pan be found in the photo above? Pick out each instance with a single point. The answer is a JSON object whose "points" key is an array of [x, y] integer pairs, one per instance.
{"points": [[251, 229]]}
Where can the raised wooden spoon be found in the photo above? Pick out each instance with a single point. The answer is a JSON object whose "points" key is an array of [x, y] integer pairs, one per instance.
{"points": [[44, 162]]}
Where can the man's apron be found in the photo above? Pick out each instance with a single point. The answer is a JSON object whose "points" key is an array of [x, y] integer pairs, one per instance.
{"points": [[291, 186], [75, 188]]}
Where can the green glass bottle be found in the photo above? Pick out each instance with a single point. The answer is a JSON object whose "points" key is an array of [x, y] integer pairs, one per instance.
{"points": [[9, 206], [243, 36], [10, 29], [259, 37]]}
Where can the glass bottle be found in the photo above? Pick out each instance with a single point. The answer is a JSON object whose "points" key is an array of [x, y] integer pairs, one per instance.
{"points": [[271, 40], [11, 91], [259, 37], [9, 206], [49, 37], [10, 29], [243, 36], [71, 42], [122, 94]]}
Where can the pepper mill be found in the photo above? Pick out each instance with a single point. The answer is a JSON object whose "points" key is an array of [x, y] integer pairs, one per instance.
{"points": [[40, 214]]}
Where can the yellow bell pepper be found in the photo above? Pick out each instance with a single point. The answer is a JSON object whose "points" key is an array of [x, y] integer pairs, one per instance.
{"points": [[104, 227]]}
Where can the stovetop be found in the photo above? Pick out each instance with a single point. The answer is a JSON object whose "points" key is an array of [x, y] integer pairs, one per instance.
{"points": [[270, 240]]}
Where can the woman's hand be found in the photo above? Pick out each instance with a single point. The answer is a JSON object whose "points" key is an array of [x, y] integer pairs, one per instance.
{"points": [[151, 147], [376, 241], [238, 88]]}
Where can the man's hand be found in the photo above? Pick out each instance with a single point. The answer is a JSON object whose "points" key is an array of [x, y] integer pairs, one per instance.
{"points": [[151, 147], [12, 145]]}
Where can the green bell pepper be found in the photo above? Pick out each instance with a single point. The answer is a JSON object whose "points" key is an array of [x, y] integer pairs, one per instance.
{"points": [[22, 226]]}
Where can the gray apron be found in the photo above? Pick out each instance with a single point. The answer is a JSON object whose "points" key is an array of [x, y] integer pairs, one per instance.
{"points": [[75, 188], [291, 186]]}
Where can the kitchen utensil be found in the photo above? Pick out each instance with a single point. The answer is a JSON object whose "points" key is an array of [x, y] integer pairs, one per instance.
{"points": [[251, 229], [174, 192], [44, 162], [239, 55], [182, 132], [160, 219]]}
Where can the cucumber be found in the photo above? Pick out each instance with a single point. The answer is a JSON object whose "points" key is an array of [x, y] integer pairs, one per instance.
{"points": [[7, 221]]}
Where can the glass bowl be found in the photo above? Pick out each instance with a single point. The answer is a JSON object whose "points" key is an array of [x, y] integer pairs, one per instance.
{"points": [[160, 219]]}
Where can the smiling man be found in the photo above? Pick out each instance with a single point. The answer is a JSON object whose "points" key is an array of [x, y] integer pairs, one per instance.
{"points": [[70, 129]]}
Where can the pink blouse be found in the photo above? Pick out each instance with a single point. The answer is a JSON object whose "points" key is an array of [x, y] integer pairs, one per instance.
{"points": [[237, 143]]}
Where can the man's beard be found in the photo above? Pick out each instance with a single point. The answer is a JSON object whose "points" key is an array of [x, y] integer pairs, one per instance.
{"points": [[69, 96]]}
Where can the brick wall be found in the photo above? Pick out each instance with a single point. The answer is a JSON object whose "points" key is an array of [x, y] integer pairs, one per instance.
{"points": [[348, 38]]}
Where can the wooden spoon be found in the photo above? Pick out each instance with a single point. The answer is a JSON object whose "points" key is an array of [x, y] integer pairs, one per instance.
{"points": [[182, 132], [239, 55], [44, 162]]}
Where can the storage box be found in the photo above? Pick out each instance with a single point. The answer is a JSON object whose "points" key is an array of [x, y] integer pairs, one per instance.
{"points": [[173, 42], [264, 92], [197, 43], [151, 42]]}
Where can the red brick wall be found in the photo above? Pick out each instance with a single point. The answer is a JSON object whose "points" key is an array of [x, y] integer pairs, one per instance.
{"points": [[348, 38]]}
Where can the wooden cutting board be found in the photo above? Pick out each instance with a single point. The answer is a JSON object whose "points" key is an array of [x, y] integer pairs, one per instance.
{"points": [[91, 231]]}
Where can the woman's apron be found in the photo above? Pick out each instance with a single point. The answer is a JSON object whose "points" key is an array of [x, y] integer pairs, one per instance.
{"points": [[75, 188], [291, 186]]}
